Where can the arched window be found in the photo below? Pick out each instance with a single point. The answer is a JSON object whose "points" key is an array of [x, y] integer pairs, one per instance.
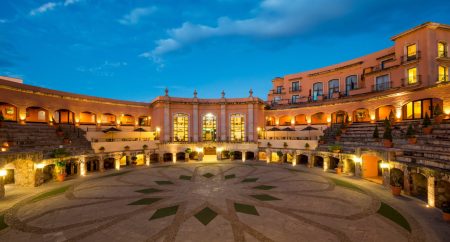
{"points": [[237, 127], [181, 127], [442, 73], [87, 118], [317, 91], [442, 49], [36, 114], [64, 116], [209, 127], [127, 120], [145, 121], [8, 111], [351, 83], [108, 118], [333, 87]]}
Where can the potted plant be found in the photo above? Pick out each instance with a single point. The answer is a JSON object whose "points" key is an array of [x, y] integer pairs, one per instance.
{"points": [[426, 125], [446, 211], [66, 139], [59, 131], [387, 135], [338, 134], [335, 148], [438, 114], [144, 147], [285, 145], [231, 153], [411, 135], [187, 152], [338, 170], [280, 156], [127, 147], [307, 146], [101, 149], [396, 186], [2, 118], [61, 173], [392, 117], [376, 134]]}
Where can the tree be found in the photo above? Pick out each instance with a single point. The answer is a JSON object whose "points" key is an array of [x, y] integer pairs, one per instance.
{"points": [[375, 134]]}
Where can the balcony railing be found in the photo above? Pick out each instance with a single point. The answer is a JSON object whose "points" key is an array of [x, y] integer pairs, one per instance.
{"points": [[275, 91], [443, 54], [406, 82], [382, 86], [295, 89], [406, 58]]}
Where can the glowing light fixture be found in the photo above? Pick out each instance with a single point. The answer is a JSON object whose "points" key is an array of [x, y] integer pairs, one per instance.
{"points": [[199, 149], [384, 165], [40, 165], [3, 172]]}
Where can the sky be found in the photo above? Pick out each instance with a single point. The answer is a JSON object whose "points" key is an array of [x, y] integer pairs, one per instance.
{"points": [[134, 49]]}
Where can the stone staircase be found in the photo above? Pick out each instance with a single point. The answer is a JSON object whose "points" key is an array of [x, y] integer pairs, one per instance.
{"points": [[37, 137]]}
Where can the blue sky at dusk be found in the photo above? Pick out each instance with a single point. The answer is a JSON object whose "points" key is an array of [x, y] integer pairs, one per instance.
{"points": [[132, 50]]}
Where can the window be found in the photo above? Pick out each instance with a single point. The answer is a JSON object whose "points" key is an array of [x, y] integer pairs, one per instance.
{"points": [[41, 115], [443, 74], [333, 87], [442, 49], [382, 83], [295, 98], [276, 99], [351, 83], [279, 89], [295, 86], [180, 127], [417, 109], [411, 52], [209, 125], [237, 127], [317, 90], [412, 75]]}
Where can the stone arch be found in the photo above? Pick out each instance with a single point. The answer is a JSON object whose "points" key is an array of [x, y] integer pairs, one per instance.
{"points": [[302, 159], [318, 161], [87, 118], [361, 115], [270, 121], [167, 157], [37, 115], [319, 118], [284, 121], [238, 155], [419, 186], [334, 161], [181, 156], [383, 112], [9, 111], [371, 167], [108, 119], [108, 163], [249, 155]]}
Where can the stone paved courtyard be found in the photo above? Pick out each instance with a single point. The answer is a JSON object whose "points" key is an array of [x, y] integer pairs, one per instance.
{"points": [[205, 202]]}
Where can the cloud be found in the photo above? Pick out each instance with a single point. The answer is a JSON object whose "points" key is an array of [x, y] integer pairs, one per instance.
{"points": [[271, 19], [105, 69], [43, 8], [136, 15], [70, 2], [3, 21]]}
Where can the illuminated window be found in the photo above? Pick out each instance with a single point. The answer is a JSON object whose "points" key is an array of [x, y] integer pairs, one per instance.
{"points": [[237, 127], [127, 120], [417, 109], [442, 49], [412, 75], [209, 127], [411, 52], [443, 74], [108, 118], [41, 115], [333, 87], [317, 90], [87, 117], [180, 127]]}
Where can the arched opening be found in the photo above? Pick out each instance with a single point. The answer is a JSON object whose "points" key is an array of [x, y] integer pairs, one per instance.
{"points": [[193, 155], [8, 111], [37, 115], [237, 128], [249, 155], [145, 121], [383, 112], [71, 167], [270, 121], [419, 186], [48, 172], [88, 118], [277, 156], [333, 163], [361, 115], [419, 108], [209, 127], [237, 155], [108, 119], [443, 192], [302, 159], [9, 177], [371, 169], [180, 127], [64, 116], [181, 156], [108, 163], [396, 173], [338, 117], [300, 119], [349, 166], [285, 121], [92, 165], [168, 157], [318, 161], [262, 155], [319, 118], [154, 158], [127, 120]]}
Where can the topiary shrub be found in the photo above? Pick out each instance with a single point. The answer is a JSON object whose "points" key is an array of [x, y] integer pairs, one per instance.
{"points": [[426, 121], [376, 134], [410, 132]]}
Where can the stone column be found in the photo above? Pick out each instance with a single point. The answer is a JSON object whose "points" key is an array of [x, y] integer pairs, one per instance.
{"points": [[358, 169], [431, 191], [326, 163], [72, 168], [147, 159], [117, 162], [2, 187], [244, 155], [250, 127], [294, 158], [195, 121], [166, 126], [101, 164], [39, 177], [406, 182], [223, 122], [386, 176], [310, 160], [174, 157], [219, 155], [268, 155], [82, 163]]}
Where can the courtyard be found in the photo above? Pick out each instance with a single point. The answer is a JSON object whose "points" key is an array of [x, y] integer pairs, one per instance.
{"points": [[209, 201]]}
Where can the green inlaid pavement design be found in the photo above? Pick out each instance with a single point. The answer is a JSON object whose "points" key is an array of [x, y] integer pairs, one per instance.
{"points": [[3, 225], [346, 184], [149, 190], [146, 201], [208, 175], [51, 193], [264, 187], [205, 216], [164, 212], [247, 209], [250, 179], [392, 214], [164, 182], [115, 174], [265, 197], [231, 176], [183, 177]]}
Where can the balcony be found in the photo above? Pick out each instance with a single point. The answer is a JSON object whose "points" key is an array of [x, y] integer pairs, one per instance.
{"points": [[406, 83], [382, 86], [277, 92], [407, 59], [295, 90]]}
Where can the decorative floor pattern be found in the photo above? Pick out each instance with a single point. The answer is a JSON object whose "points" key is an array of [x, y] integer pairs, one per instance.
{"points": [[204, 202]]}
